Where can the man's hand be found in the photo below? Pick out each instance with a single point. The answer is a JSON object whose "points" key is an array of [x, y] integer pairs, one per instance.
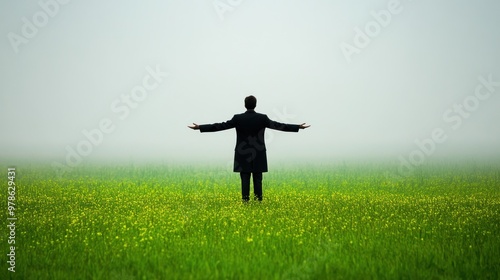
{"points": [[194, 126], [302, 126]]}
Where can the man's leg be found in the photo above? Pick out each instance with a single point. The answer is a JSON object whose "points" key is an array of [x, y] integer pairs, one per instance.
{"points": [[245, 185], [257, 185]]}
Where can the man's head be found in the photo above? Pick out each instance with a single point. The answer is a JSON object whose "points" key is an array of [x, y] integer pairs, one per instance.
{"points": [[250, 102]]}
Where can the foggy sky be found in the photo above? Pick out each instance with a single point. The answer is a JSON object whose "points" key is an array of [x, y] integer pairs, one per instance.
{"points": [[373, 78]]}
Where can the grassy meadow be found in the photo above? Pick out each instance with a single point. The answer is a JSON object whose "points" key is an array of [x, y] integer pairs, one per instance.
{"points": [[322, 222]]}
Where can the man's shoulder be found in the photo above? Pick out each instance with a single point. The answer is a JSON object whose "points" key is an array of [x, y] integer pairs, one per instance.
{"points": [[250, 113]]}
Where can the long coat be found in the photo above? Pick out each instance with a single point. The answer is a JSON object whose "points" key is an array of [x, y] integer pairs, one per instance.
{"points": [[250, 149]]}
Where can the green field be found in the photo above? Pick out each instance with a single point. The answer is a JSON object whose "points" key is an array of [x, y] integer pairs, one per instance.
{"points": [[322, 222]]}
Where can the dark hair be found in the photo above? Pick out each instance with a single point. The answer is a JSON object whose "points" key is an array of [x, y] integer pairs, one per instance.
{"points": [[250, 102]]}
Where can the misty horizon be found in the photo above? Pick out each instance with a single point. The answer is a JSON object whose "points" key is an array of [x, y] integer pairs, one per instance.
{"points": [[377, 81]]}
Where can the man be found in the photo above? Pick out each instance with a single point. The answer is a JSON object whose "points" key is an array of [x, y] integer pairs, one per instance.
{"points": [[250, 151]]}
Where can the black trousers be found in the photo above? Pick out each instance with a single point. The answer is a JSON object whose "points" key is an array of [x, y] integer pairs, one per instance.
{"points": [[245, 185]]}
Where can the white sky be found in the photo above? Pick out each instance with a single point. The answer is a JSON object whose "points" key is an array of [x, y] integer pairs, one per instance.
{"points": [[87, 54]]}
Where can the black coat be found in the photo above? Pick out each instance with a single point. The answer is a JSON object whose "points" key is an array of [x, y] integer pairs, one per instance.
{"points": [[250, 149]]}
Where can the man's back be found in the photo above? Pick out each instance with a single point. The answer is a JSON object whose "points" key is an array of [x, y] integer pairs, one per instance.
{"points": [[250, 127]]}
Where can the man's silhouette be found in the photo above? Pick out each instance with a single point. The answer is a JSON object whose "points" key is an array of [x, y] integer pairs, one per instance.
{"points": [[250, 151]]}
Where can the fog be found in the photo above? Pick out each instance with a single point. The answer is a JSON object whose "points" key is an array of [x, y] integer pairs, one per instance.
{"points": [[121, 80]]}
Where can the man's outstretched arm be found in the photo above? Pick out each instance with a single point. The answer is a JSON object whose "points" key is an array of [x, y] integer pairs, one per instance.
{"points": [[286, 127], [213, 127]]}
